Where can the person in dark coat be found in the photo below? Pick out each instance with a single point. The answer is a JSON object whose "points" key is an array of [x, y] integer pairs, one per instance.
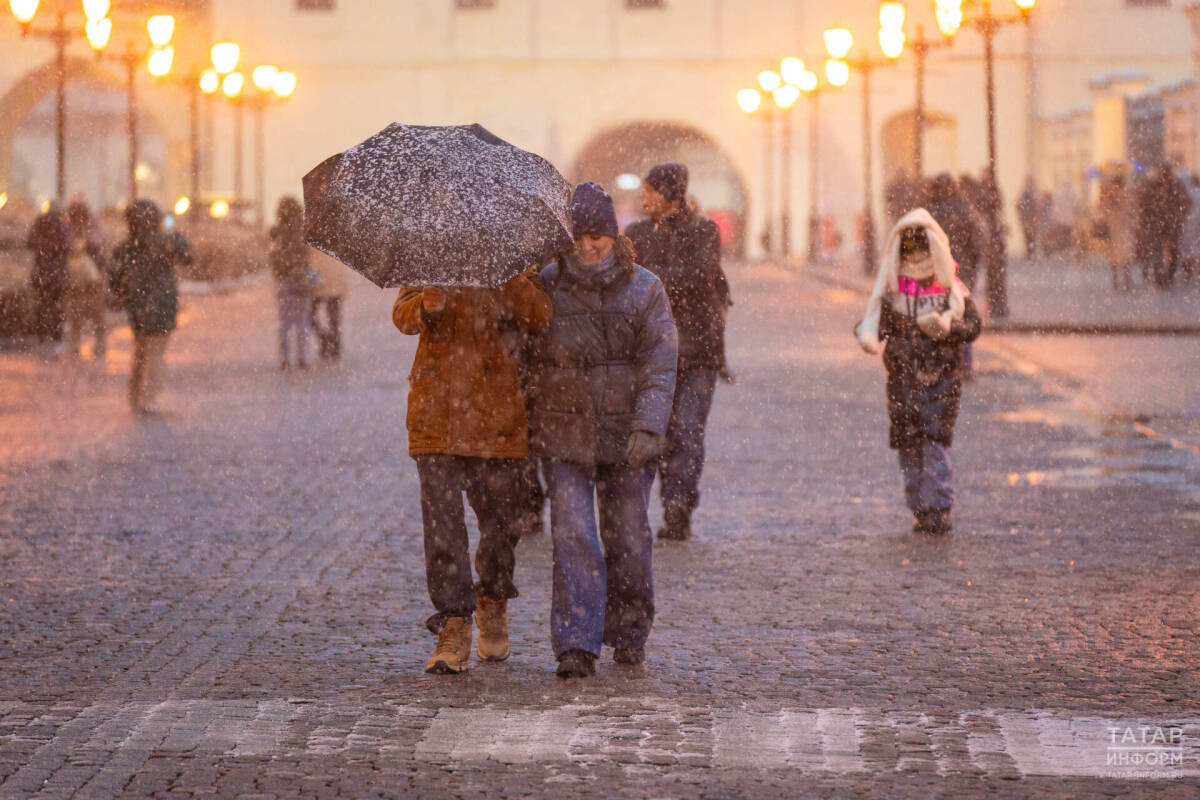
{"points": [[87, 280], [50, 240], [1165, 204], [925, 316], [295, 282], [143, 279], [602, 381], [468, 434], [953, 213], [995, 259], [1030, 216], [684, 251]]}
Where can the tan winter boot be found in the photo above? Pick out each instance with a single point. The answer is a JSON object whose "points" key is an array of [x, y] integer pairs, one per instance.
{"points": [[453, 648], [492, 617]]}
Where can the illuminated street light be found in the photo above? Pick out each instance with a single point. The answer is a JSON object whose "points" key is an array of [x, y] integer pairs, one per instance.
{"points": [[24, 10], [786, 96], [96, 9], [219, 209], [160, 61], [232, 85], [769, 80], [838, 43], [225, 57], [891, 43], [284, 84], [791, 69], [808, 81], [837, 72], [749, 100], [949, 16], [182, 206], [161, 27], [264, 77], [1025, 6], [98, 32], [3, 199], [210, 81], [891, 15]]}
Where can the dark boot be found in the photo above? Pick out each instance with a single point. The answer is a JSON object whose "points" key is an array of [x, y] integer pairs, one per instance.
{"points": [[938, 522], [623, 655], [576, 664], [677, 525]]}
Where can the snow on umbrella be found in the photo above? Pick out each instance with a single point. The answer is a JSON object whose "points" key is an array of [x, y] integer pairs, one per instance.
{"points": [[453, 205]]}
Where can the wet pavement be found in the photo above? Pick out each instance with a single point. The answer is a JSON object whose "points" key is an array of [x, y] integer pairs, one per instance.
{"points": [[228, 600]]}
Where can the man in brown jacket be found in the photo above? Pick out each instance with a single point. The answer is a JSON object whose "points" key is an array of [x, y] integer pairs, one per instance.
{"points": [[467, 431]]}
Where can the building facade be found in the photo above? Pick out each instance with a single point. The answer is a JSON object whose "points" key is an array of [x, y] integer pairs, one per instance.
{"points": [[600, 87]]}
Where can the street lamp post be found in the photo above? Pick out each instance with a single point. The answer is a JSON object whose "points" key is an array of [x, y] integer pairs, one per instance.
{"points": [[795, 73], [785, 98], [160, 28], [272, 84], [921, 46], [750, 101], [769, 81], [838, 43], [988, 24], [97, 29]]}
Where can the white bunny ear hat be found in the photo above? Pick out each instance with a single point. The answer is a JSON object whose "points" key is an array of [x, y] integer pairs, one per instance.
{"points": [[888, 276]]}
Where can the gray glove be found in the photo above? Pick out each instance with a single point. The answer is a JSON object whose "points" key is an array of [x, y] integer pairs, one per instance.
{"points": [[643, 447]]}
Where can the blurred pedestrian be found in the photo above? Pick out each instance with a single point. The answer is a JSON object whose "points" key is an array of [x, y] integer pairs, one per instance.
{"points": [[1029, 212], [143, 279], [1118, 218], [603, 380], [1165, 204], [925, 316], [953, 213], [995, 257], [50, 240], [331, 288], [1189, 245], [684, 251], [468, 433], [87, 281], [295, 283]]}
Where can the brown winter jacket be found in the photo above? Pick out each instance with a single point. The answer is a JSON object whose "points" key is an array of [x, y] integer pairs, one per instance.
{"points": [[464, 395]]}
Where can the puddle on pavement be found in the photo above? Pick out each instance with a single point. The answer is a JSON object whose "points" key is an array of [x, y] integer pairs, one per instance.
{"points": [[1117, 455]]}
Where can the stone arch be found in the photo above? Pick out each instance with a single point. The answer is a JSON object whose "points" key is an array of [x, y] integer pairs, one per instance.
{"points": [[898, 135], [631, 148], [18, 102]]}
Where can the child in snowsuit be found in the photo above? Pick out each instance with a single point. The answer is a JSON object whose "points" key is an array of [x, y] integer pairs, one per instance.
{"points": [[926, 317]]}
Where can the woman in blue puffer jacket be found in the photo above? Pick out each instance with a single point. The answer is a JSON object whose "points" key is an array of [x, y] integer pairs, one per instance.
{"points": [[602, 384]]}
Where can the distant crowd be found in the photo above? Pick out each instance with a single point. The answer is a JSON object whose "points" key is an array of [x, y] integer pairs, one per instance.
{"points": [[1145, 223]]}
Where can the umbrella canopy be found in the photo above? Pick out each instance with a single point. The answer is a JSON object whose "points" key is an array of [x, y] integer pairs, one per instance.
{"points": [[450, 205]]}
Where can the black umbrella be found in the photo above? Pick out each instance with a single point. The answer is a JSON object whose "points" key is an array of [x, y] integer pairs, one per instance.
{"points": [[419, 205]]}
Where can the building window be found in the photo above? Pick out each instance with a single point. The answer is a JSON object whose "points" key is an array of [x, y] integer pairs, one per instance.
{"points": [[645, 4], [316, 5], [474, 5]]}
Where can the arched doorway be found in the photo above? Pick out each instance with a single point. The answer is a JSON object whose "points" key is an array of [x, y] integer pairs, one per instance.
{"points": [[97, 137], [899, 137], [619, 157]]}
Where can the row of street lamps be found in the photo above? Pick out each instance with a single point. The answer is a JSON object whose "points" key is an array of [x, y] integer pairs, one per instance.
{"points": [[839, 64], [272, 84]]}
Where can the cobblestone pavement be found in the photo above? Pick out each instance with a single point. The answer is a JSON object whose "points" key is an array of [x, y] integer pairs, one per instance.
{"points": [[228, 599]]}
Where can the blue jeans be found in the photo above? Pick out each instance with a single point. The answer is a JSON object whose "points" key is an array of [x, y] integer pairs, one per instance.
{"points": [[602, 594], [683, 452], [295, 320], [928, 479]]}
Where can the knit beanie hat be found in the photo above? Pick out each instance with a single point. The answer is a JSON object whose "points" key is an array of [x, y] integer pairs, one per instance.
{"points": [[671, 181], [592, 211]]}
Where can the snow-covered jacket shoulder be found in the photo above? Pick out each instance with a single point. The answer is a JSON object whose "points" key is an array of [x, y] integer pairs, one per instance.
{"points": [[606, 365]]}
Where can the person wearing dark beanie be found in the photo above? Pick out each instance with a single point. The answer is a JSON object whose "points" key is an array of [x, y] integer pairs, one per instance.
{"points": [[601, 384], [684, 250], [592, 212], [671, 181]]}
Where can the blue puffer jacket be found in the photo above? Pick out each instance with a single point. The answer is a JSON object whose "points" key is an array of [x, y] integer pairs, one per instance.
{"points": [[606, 365]]}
